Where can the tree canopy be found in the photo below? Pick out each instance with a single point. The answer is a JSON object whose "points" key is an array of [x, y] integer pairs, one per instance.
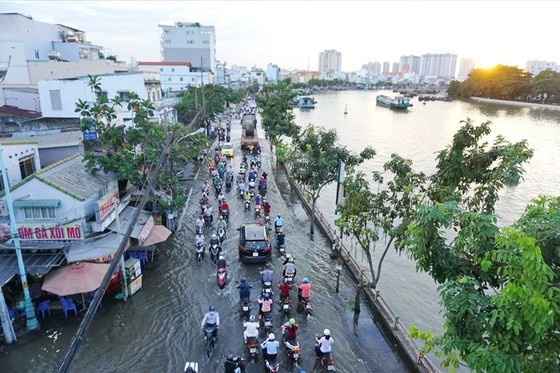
{"points": [[276, 112]]}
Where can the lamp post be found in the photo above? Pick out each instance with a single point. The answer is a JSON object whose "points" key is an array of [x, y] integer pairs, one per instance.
{"points": [[32, 323]]}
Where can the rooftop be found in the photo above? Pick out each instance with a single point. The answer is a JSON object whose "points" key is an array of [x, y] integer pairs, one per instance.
{"points": [[161, 63]]}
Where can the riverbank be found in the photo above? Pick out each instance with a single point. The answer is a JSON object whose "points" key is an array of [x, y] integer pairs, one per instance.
{"points": [[516, 103]]}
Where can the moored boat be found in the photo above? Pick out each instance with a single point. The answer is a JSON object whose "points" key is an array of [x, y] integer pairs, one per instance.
{"points": [[306, 102], [398, 102]]}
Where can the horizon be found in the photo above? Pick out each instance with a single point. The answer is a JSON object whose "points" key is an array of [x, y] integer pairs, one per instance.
{"points": [[287, 34]]}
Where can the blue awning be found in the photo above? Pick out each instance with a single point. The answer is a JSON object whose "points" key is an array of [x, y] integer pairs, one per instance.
{"points": [[36, 203]]}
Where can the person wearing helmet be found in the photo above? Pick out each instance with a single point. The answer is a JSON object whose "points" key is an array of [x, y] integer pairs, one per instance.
{"points": [[278, 222], [221, 223], [233, 364], [244, 290], [304, 290], [266, 274], [324, 343], [199, 222], [211, 320], [270, 347], [251, 328], [221, 263], [265, 304], [284, 290], [289, 268], [289, 330], [288, 258]]}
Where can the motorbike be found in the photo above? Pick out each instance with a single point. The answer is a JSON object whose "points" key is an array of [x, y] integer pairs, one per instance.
{"points": [[247, 205], [199, 251], [289, 278], [257, 211], [214, 250], [208, 220], [292, 348], [221, 277], [267, 320], [242, 194], [238, 364], [218, 188], [327, 362], [209, 339], [272, 365], [253, 346], [228, 184], [245, 307], [305, 305], [221, 234], [286, 306], [267, 288], [199, 230], [280, 246], [225, 214]]}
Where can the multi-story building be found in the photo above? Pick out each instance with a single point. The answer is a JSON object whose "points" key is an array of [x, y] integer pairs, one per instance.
{"points": [[176, 76], [330, 62], [189, 42], [535, 67], [273, 73], [438, 65], [409, 64], [385, 67], [396, 67], [466, 65]]}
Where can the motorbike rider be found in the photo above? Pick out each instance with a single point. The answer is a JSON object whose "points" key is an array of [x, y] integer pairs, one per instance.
{"points": [[221, 197], [251, 184], [265, 304], [258, 199], [208, 214], [241, 186], [289, 268], [221, 263], [199, 239], [270, 347], [214, 240], [199, 222], [221, 223], [244, 290], [287, 260], [266, 274], [205, 187], [211, 320], [230, 171], [251, 328], [304, 290], [324, 343], [262, 183], [233, 364], [224, 208], [289, 330], [266, 206], [278, 222], [280, 237], [284, 290], [247, 197]]}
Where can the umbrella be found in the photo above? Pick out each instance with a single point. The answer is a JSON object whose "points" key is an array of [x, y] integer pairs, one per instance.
{"points": [[159, 234], [76, 278]]}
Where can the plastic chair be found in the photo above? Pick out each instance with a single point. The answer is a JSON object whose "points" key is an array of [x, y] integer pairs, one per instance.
{"points": [[139, 255], [68, 305], [91, 295], [44, 306]]}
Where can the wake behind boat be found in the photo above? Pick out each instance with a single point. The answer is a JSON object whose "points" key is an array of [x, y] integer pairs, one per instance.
{"points": [[397, 103]]}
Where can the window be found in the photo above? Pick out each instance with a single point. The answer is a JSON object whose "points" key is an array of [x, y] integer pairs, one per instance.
{"points": [[168, 79], [190, 41], [206, 42], [36, 54], [26, 166], [98, 95], [172, 70], [167, 41], [161, 69], [123, 95], [56, 102], [181, 79], [39, 213]]}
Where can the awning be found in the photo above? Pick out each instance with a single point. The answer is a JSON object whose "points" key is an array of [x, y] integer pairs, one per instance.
{"points": [[159, 234], [36, 203], [35, 264], [100, 250], [125, 219]]}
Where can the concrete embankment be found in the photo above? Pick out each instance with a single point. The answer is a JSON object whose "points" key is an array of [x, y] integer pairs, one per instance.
{"points": [[516, 103], [390, 322]]}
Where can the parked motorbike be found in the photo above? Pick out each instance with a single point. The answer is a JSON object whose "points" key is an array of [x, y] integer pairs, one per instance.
{"points": [[221, 277], [199, 251]]}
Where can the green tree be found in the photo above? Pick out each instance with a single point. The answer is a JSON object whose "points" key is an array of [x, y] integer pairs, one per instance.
{"points": [[546, 86], [314, 158], [380, 212], [276, 112]]}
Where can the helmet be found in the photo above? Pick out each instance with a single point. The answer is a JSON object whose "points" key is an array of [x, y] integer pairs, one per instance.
{"points": [[212, 309], [266, 296], [279, 217], [221, 257], [214, 236], [305, 280], [280, 230], [221, 217], [230, 357], [292, 321], [200, 216], [327, 332], [291, 260], [252, 318], [268, 265], [271, 337], [288, 256], [242, 280]]}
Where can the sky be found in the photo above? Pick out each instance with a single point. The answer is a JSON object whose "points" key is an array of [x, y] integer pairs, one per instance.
{"points": [[291, 34]]}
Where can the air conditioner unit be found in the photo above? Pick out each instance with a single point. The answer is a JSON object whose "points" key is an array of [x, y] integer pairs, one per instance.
{"points": [[54, 55], [4, 208]]}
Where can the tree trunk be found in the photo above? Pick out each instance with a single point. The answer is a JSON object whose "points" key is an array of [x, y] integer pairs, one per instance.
{"points": [[357, 299], [376, 279], [312, 226]]}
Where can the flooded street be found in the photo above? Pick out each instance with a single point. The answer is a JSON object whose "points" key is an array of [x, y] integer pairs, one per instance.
{"points": [[158, 329]]}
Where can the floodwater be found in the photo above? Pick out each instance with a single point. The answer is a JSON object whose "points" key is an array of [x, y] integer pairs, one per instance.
{"points": [[158, 329]]}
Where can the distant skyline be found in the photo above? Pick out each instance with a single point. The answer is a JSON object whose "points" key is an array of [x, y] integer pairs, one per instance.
{"points": [[291, 34]]}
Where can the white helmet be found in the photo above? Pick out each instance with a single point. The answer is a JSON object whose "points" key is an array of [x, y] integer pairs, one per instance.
{"points": [[288, 256], [327, 332], [214, 236], [271, 337], [221, 257]]}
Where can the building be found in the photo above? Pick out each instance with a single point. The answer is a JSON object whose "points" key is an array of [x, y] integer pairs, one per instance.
{"points": [[189, 42], [385, 67], [536, 67], [465, 67], [176, 76], [409, 64], [330, 62], [439, 65], [273, 74], [21, 159], [396, 67]]}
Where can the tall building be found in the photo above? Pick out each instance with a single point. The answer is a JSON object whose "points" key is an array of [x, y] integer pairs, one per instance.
{"points": [[396, 67], [409, 64], [189, 42], [465, 67], [330, 62], [535, 67], [440, 65], [386, 67]]}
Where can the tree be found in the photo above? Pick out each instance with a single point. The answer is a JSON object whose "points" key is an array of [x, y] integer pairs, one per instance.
{"points": [[500, 298], [314, 158], [276, 112], [383, 211], [130, 153]]}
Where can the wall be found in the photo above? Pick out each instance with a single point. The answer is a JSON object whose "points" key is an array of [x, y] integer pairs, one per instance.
{"points": [[52, 69], [26, 99], [13, 152]]}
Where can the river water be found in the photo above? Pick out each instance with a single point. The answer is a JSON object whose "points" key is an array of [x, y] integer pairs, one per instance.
{"points": [[417, 134], [158, 329]]}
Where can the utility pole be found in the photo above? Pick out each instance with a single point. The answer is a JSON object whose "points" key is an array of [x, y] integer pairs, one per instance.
{"points": [[32, 323], [203, 101]]}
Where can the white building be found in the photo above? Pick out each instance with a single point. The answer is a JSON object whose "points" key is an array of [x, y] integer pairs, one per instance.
{"points": [[441, 65], [176, 76], [535, 67], [21, 159], [189, 42], [409, 64], [330, 62], [273, 73], [59, 96], [386, 67], [465, 67]]}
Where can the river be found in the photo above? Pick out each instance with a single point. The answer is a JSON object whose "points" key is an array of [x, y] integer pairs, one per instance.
{"points": [[158, 329], [418, 134]]}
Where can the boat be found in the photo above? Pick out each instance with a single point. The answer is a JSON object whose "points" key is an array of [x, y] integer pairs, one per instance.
{"points": [[346, 109], [397, 103], [306, 102]]}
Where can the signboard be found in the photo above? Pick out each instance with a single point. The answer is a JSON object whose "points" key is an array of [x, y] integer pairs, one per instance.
{"points": [[146, 231], [50, 233], [89, 135], [107, 205]]}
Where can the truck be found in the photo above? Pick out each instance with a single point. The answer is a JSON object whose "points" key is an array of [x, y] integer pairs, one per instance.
{"points": [[249, 137]]}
